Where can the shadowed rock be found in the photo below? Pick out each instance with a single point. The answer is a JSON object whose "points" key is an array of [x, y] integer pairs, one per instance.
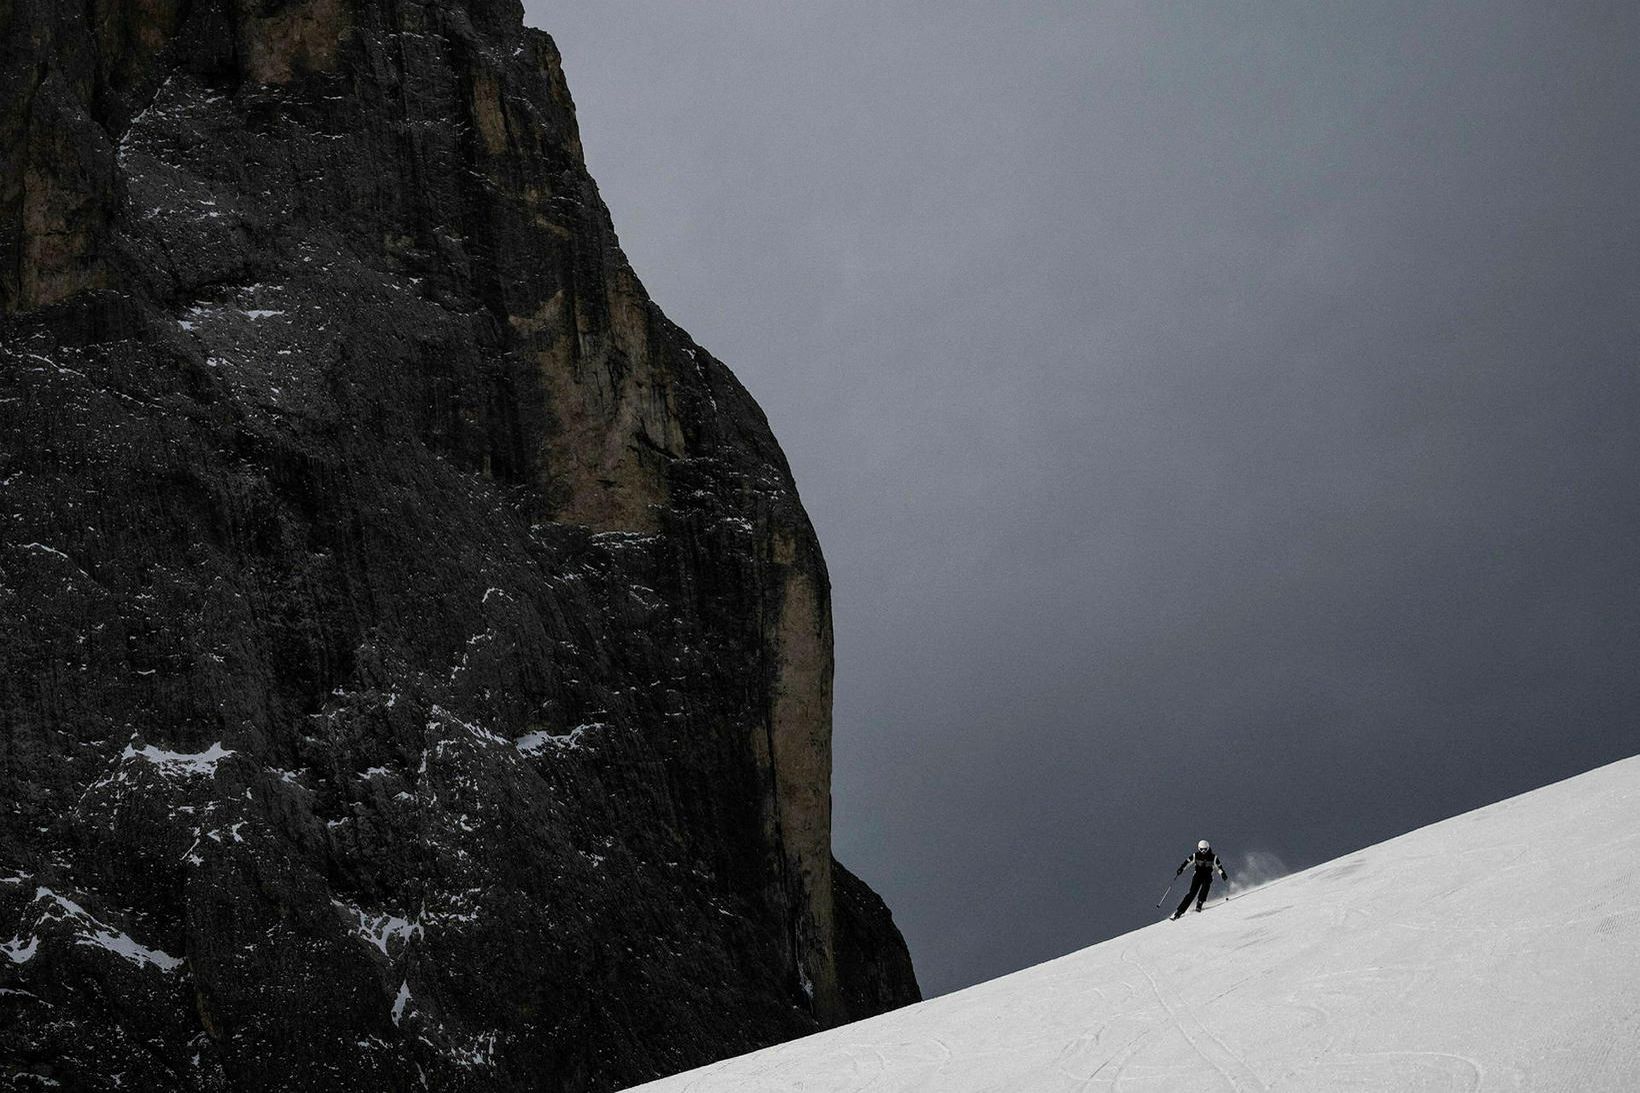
{"points": [[417, 661]]}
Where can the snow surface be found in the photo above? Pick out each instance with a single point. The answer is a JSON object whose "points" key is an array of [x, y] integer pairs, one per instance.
{"points": [[1494, 950]]}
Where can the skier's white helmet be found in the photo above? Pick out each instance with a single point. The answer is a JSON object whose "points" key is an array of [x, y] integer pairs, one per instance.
{"points": [[1203, 845]]}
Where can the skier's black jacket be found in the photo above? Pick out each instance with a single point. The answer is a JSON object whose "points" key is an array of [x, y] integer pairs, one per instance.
{"points": [[1205, 862]]}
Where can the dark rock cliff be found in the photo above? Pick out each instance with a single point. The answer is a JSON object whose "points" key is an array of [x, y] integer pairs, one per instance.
{"points": [[415, 664]]}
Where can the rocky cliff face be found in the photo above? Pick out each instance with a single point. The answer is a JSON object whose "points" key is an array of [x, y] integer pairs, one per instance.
{"points": [[416, 661]]}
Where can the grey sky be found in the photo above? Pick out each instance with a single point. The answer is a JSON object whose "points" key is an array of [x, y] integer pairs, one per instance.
{"points": [[1220, 419]]}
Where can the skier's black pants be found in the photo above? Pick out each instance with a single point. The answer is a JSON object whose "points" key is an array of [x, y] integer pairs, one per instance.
{"points": [[1200, 881]]}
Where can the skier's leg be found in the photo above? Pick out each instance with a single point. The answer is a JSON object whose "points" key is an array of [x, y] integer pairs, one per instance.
{"points": [[1207, 882], [1184, 905]]}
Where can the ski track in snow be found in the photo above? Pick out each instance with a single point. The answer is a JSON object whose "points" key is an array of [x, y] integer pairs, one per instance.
{"points": [[1229, 1065], [1491, 951]]}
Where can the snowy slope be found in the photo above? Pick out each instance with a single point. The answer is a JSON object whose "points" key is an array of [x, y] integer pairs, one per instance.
{"points": [[1496, 950]]}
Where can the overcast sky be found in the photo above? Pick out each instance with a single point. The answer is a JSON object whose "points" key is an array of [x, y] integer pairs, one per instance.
{"points": [[1220, 419]]}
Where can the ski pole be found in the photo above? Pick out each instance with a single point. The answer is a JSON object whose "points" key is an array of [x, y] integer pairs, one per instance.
{"points": [[1170, 885]]}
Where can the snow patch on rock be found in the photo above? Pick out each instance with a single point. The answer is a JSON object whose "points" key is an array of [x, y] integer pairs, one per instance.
{"points": [[400, 1002], [534, 743], [381, 930], [20, 952], [173, 762], [91, 931]]}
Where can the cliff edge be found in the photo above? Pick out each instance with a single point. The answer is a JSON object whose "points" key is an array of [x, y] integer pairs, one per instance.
{"points": [[417, 661]]}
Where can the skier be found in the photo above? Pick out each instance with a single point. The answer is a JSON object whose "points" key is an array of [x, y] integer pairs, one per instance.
{"points": [[1205, 862]]}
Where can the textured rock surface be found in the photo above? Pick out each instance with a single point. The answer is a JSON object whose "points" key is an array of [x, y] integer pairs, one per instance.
{"points": [[416, 664]]}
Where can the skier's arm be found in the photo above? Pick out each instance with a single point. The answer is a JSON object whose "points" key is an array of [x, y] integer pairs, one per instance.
{"points": [[1179, 872], [1220, 867]]}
